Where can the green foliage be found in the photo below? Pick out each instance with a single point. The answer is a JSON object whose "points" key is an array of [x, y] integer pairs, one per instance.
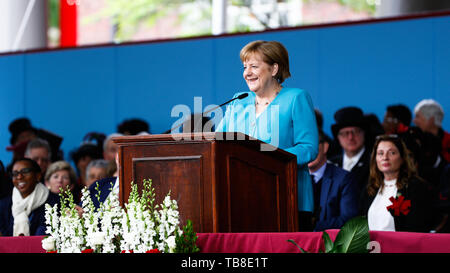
{"points": [[301, 249], [356, 5], [352, 238], [53, 13], [148, 195], [128, 15], [186, 242], [66, 200]]}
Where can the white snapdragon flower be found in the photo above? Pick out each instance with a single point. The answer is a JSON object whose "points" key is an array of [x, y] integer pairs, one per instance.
{"points": [[49, 244], [97, 238], [138, 228], [171, 243]]}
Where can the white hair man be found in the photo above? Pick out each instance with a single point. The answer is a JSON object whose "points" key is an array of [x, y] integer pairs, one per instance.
{"points": [[428, 117], [39, 150]]}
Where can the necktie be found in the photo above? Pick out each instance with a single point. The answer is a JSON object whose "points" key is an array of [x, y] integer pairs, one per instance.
{"points": [[349, 164]]}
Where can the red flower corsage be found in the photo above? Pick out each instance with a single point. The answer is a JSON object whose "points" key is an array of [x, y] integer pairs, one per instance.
{"points": [[399, 205], [88, 250], [401, 128]]}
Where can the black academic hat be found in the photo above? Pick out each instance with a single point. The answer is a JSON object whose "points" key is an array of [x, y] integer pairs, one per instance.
{"points": [[18, 126], [348, 117]]}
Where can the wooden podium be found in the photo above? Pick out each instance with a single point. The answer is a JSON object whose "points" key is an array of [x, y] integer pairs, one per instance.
{"points": [[223, 182]]}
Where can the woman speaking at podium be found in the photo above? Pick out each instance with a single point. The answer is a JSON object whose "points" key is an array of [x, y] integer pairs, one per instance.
{"points": [[283, 117]]}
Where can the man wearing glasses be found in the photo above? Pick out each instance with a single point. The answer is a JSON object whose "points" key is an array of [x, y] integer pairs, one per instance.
{"points": [[350, 130]]}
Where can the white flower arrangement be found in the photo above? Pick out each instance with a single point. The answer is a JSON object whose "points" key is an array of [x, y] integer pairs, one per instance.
{"points": [[140, 227]]}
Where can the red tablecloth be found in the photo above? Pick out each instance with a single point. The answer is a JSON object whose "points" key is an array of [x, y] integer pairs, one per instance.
{"points": [[390, 242]]}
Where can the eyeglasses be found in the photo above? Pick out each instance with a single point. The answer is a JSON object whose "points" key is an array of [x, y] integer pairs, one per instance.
{"points": [[346, 133], [25, 171], [390, 120]]}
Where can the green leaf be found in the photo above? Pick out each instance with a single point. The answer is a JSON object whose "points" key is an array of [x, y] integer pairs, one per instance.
{"points": [[353, 236], [329, 245], [186, 241], [301, 249]]}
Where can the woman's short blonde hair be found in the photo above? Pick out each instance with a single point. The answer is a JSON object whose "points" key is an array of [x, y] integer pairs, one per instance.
{"points": [[60, 166], [272, 52]]}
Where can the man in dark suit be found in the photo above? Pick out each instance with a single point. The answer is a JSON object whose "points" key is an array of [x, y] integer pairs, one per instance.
{"points": [[351, 130], [335, 191], [101, 189], [105, 186]]}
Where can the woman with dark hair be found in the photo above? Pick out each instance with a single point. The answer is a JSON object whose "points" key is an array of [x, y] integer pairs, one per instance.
{"points": [[23, 212], [90, 149], [397, 199]]}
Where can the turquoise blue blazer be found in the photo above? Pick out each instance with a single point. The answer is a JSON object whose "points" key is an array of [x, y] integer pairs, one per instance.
{"points": [[288, 123]]}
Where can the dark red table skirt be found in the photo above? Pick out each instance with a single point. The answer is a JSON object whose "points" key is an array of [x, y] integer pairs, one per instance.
{"points": [[389, 242]]}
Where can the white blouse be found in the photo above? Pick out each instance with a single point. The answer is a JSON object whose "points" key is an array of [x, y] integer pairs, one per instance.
{"points": [[379, 217]]}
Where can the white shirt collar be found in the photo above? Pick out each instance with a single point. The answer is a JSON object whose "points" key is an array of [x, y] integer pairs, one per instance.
{"points": [[319, 173], [347, 165]]}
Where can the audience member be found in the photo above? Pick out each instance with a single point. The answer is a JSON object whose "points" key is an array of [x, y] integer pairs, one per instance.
{"points": [[397, 119], [336, 194], [350, 129], [23, 212], [431, 163], [96, 170], [61, 176], [39, 150], [22, 132], [393, 180], [133, 127], [6, 184], [428, 117], [110, 149], [424, 150], [87, 152], [333, 148], [105, 187]]}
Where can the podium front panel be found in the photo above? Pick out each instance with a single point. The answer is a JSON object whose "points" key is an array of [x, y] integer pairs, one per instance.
{"points": [[221, 185]]}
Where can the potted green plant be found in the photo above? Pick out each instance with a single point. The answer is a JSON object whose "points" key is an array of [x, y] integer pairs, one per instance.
{"points": [[353, 237]]}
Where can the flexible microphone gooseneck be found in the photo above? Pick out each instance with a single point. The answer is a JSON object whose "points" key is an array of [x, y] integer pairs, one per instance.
{"points": [[241, 96]]}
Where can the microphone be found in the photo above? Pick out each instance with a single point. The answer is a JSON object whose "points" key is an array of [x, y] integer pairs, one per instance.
{"points": [[241, 96]]}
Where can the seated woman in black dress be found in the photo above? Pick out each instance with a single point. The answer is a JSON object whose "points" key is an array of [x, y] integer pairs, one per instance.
{"points": [[397, 199]]}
